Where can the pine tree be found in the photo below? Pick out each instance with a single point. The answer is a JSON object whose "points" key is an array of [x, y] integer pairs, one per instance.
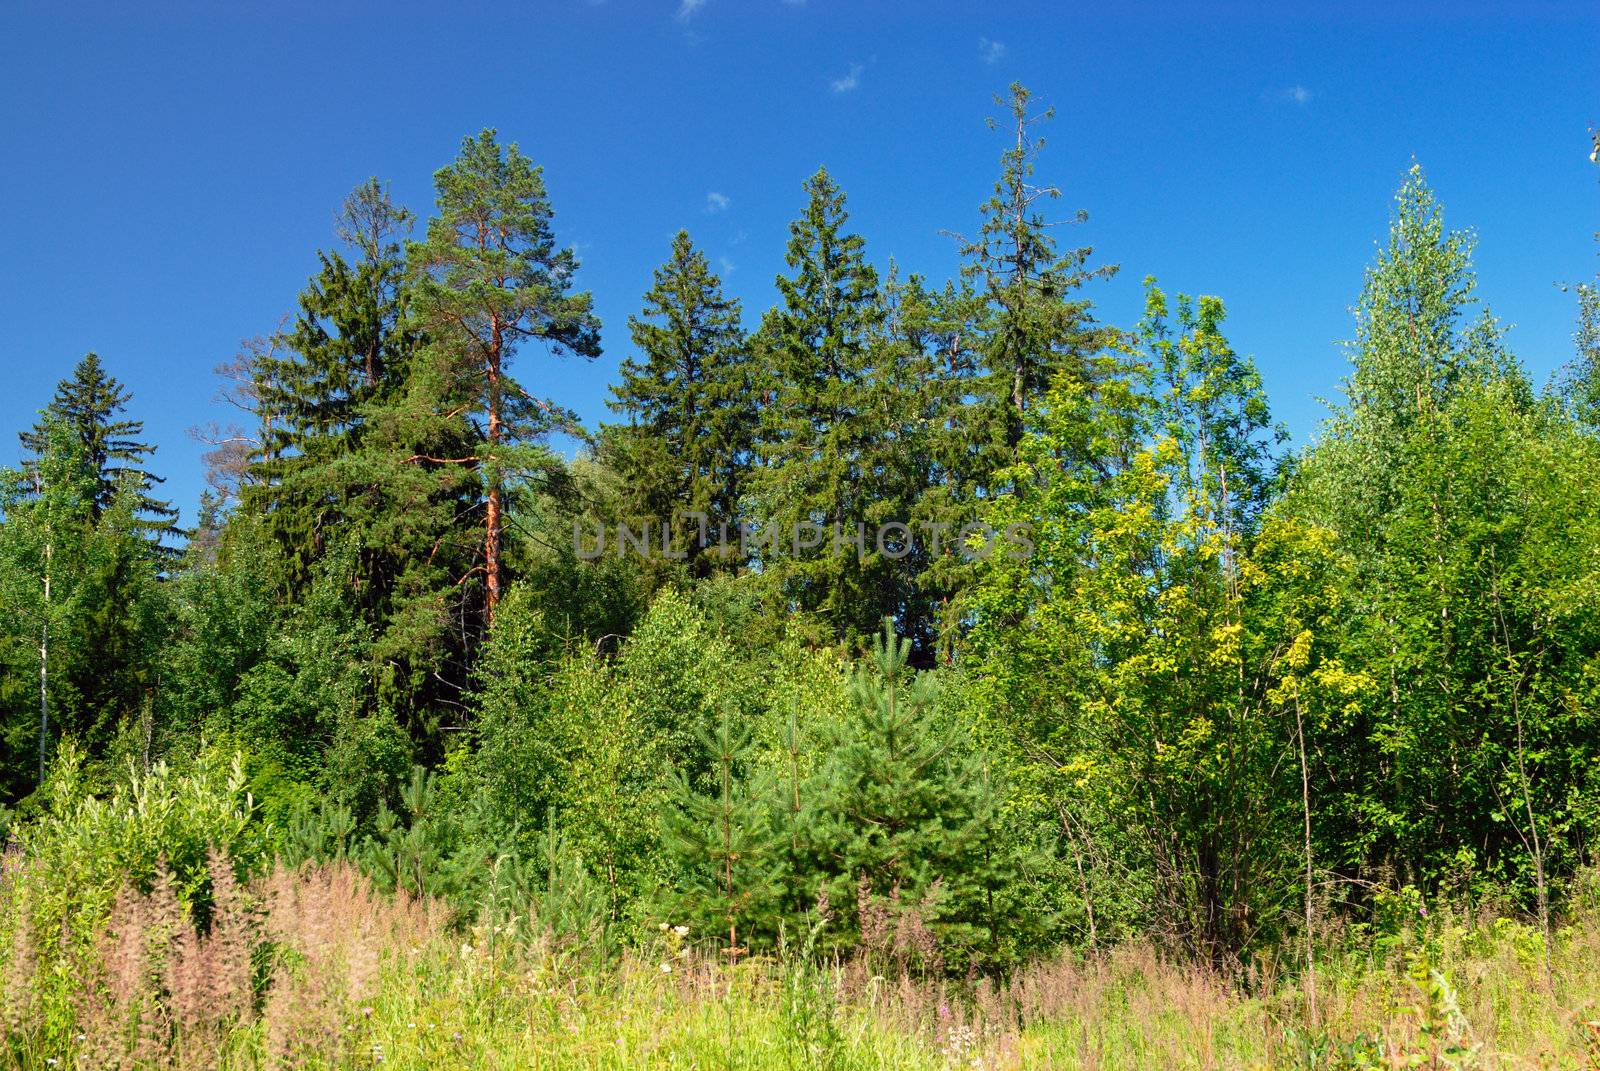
{"points": [[902, 809], [687, 447], [488, 278], [88, 406], [818, 350], [724, 842]]}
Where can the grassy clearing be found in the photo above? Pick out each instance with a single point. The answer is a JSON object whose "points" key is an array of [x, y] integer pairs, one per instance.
{"points": [[312, 968]]}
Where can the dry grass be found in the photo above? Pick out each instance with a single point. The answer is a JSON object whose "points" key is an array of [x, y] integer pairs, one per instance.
{"points": [[312, 968]]}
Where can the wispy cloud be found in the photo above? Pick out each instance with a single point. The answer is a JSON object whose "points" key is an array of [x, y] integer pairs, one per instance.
{"points": [[990, 51], [849, 81], [687, 8], [728, 266], [1296, 94], [717, 202]]}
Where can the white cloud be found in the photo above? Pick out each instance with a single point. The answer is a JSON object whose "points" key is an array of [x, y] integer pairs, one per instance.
{"points": [[849, 81], [728, 267], [687, 8], [990, 51], [717, 202], [1298, 94]]}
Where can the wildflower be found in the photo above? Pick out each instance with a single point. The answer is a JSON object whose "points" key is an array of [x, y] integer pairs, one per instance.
{"points": [[664, 927], [666, 968], [681, 931]]}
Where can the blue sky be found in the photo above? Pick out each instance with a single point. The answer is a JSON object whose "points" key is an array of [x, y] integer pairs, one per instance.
{"points": [[168, 170]]}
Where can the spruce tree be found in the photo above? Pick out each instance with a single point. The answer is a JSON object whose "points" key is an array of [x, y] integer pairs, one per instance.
{"points": [[1032, 325], [908, 401], [88, 406], [817, 347], [487, 278], [947, 480], [348, 349], [692, 412], [352, 425], [77, 602]]}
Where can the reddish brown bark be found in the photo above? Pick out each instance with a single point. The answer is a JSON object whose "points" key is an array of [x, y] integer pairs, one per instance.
{"points": [[493, 515]]}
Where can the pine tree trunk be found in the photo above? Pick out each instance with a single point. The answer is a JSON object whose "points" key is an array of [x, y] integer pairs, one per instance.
{"points": [[493, 519]]}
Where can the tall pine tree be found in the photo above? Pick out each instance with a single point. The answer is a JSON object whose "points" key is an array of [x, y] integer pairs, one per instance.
{"points": [[488, 278]]}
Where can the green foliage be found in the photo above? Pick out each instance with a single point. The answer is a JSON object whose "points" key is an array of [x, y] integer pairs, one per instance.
{"points": [[87, 407], [350, 430], [487, 278], [81, 613], [1455, 497], [93, 843], [347, 350], [900, 816], [685, 454], [154, 827], [562, 744], [817, 348], [1123, 649], [723, 843], [1194, 693]]}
